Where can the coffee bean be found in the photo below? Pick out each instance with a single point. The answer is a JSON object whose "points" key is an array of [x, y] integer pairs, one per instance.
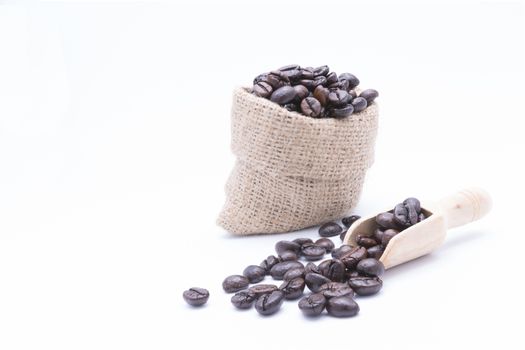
{"points": [[414, 208], [371, 267], [320, 71], [333, 269], [349, 220], [260, 289], [338, 98], [375, 251], [331, 78], [378, 234], [338, 253], [351, 258], [318, 81], [401, 215], [352, 80], [321, 94], [289, 67], [288, 255], [352, 94], [336, 289], [276, 80], [260, 77], [311, 267], [302, 240], [325, 243], [283, 246], [329, 229], [311, 107], [342, 112], [292, 75], [312, 305], [294, 273], [366, 242], [365, 285], [387, 236], [342, 307], [313, 252], [359, 104], [268, 304], [278, 270], [386, 220], [344, 84], [293, 289], [196, 296], [262, 89], [235, 283], [307, 73], [268, 263], [301, 92], [314, 281], [308, 83], [343, 234], [283, 95], [369, 95], [254, 273], [243, 299]]}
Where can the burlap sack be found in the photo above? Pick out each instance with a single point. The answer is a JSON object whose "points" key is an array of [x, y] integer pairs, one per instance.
{"points": [[293, 171]]}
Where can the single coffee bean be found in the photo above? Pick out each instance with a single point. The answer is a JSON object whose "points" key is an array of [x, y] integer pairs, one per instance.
{"points": [[278, 270], [293, 289], [268, 304], [308, 83], [260, 289], [378, 234], [288, 255], [301, 92], [386, 220], [375, 252], [336, 289], [302, 240], [283, 95], [243, 299], [331, 78], [260, 77], [371, 267], [369, 95], [320, 71], [311, 267], [321, 94], [365, 285], [268, 263], [359, 104], [343, 234], [329, 229], [343, 306], [351, 258], [262, 89], [334, 269], [235, 283], [401, 215], [344, 249], [313, 252], [294, 273], [342, 112], [312, 305], [366, 242], [314, 281], [318, 81], [311, 107], [254, 273], [387, 236], [349, 220], [414, 208], [196, 296], [283, 246], [352, 80], [307, 73], [338, 98], [325, 243], [276, 80]]}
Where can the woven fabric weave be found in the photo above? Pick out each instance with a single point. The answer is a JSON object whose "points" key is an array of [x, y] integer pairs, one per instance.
{"points": [[293, 171]]}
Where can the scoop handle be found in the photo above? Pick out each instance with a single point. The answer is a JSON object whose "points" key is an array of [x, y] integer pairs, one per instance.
{"points": [[465, 206]]}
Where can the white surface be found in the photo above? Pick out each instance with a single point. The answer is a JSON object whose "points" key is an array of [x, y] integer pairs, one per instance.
{"points": [[114, 149]]}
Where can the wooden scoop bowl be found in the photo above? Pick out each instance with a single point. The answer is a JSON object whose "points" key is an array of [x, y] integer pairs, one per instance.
{"points": [[422, 238]]}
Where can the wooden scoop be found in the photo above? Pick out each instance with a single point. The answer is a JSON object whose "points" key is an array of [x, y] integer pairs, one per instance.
{"points": [[422, 238]]}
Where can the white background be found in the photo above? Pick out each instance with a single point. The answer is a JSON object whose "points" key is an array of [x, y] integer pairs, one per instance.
{"points": [[114, 149]]}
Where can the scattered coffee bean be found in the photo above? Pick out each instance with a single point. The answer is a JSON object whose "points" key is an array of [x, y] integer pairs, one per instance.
{"points": [[330, 229], [333, 269], [313, 252], [243, 299], [288, 256], [260, 289], [293, 289], [268, 304], [196, 296], [294, 273], [268, 263], [283, 246], [353, 257], [312, 305], [235, 283], [343, 306], [370, 267], [349, 220], [336, 289], [254, 273], [314, 281], [278, 270], [365, 285], [325, 243]]}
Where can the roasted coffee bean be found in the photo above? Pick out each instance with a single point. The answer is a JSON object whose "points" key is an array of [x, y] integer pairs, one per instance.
{"points": [[386, 220], [301, 92], [342, 112], [294, 273], [365, 285], [243, 299], [260, 289], [268, 304], [414, 208], [235, 283], [320, 71], [288, 255], [293, 75], [314, 281], [366, 242], [352, 94], [313, 252], [336, 289], [321, 94], [343, 84], [307, 73], [260, 77], [283, 95], [292, 107], [283, 246], [268, 263], [308, 83], [318, 81], [351, 258], [334, 269], [302, 240], [343, 234], [329, 229], [359, 104], [342, 307], [371, 267], [331, 78], [312, 305], [311, 107], [289, 67], [254, 273], [378, 234], [278, 270], [352, 80], [276, 80], [338, 98], [344, 249], [262, 89], [349, 220], [387, 236], [293, 289], [369, 95], [311, 267], [325, 243], [196, 296], [401, 215], [376, 251]]}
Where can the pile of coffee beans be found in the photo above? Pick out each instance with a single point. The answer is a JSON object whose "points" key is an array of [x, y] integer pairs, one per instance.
{"points": [[314, 92]]}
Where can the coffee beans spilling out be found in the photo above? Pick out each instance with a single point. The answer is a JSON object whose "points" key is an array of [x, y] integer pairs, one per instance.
{"points": [[313, 92]]}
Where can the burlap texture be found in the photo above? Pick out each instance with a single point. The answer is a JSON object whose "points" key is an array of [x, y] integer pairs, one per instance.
{"points": [[293, 171]]}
